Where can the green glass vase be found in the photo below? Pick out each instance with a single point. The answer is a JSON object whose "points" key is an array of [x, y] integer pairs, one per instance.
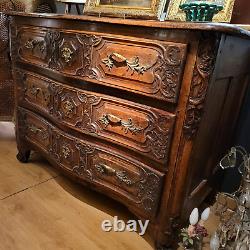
{"points": [[199, 11]]}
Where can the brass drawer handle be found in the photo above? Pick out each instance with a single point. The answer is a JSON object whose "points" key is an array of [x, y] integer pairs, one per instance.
{"points": [[111, 119], [128, 126], [35, 91], [120, 61], [118, 58], [67, 54], [34, 129], [105, 169], [122, 176], [37, 131], [32, 43]]}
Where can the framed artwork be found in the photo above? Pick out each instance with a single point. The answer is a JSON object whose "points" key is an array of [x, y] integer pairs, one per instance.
{"points": [[175, 13], [149, 9]]}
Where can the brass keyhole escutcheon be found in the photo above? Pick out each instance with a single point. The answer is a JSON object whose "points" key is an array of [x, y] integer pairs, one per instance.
{"points": [[67, 54]]}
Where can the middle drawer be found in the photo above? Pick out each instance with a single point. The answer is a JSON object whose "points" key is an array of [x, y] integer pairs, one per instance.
{"points": [[142, 128]]}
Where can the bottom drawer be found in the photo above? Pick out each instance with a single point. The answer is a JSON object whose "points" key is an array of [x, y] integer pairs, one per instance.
{"points": [[126, 179]]}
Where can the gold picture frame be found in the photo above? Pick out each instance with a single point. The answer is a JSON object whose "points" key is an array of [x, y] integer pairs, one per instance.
{"points": [[175, 13], [154, 9]]}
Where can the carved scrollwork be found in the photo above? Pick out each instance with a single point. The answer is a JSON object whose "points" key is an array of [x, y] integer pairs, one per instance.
{"points": [[123, 177], [202, 72], [159, 135], [169, 72], [146, 190], [173, 55], [52, 39], [68, 107], [88, 43], [88, 101], [84, 167]]}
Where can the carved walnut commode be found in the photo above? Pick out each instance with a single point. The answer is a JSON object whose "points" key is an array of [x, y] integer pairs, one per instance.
{"points": [[139, 110]]}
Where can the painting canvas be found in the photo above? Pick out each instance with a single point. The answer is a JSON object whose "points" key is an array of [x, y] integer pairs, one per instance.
{"points": [[146, 9], [132, 3]]}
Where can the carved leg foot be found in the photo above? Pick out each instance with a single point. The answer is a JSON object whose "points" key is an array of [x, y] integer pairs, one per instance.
{"points": [[23, 156]]}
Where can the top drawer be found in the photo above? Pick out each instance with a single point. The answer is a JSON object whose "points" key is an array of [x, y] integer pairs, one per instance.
{"points": [[152, 68]]}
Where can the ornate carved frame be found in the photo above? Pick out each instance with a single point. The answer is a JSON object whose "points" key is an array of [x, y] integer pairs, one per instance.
{"points": [[175, 13], [93, 7]]}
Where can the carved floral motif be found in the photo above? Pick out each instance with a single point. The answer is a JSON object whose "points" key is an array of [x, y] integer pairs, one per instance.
{"points": [[201, 75], [169, 72], [159, 134], [146, 190], [124, 177]]}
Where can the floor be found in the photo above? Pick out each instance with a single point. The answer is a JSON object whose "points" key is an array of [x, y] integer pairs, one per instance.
{"points": [[43, 210]]}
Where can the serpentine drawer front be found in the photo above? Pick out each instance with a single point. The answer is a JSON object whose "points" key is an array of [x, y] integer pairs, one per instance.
{"points": [[147, 67], [145, 129], [133, 181]]}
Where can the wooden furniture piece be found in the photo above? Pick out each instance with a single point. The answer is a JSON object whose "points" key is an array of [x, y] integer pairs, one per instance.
{"points": [[69, 3], [6, 81], [139, 110]]}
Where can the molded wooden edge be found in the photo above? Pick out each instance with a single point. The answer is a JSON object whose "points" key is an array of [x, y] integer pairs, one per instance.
{"points": [[206, 26]]}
